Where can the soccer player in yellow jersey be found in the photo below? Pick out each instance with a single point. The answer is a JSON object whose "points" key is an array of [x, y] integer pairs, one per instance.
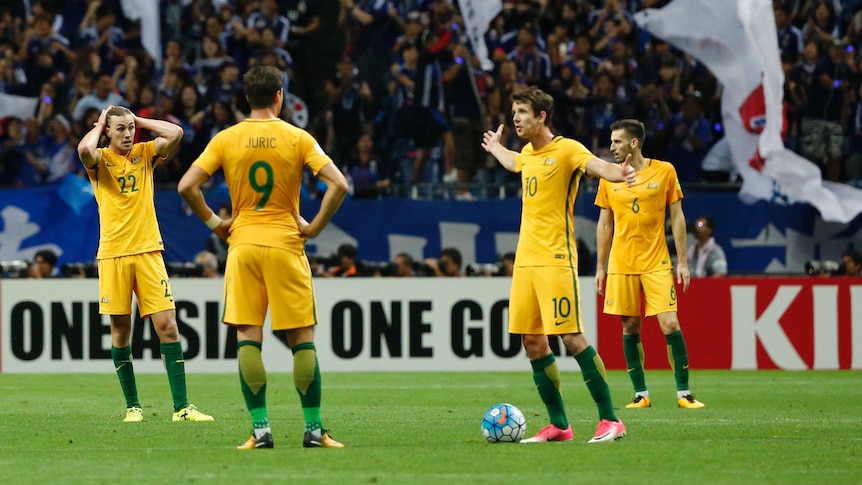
{"points": [[130, 247], [263, 158], [545, 297], [639, 259]]}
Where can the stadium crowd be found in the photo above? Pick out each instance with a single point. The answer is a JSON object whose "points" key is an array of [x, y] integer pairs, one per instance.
{"points": [[388, 86]]}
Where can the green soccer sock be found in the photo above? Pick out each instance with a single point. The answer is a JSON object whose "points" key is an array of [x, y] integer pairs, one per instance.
{"points": [[677, 356], [593, 370], [546, 375], [634, 350], [306, 378], [126, 373], [252, 380], [175, 365]]}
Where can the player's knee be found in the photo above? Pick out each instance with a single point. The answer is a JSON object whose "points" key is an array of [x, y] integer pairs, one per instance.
{"points": [[167, 329], [536, 346], [669, 326], [631, 325]]}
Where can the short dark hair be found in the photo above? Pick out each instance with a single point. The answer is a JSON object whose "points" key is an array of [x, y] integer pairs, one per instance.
{"points": [[853, 254], [347, 250], [537, 99], [408, 259], [453, 254], [633, 128], [47, 256], [261, 84]]}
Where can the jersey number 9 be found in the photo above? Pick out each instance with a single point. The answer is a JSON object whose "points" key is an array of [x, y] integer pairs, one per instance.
{"points": [[265, 189]]}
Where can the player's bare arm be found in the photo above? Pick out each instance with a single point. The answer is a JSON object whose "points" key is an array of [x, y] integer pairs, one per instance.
{"points": [[624, 172], [604, 233], [169, 137], [190, 190], [336, 190], [88, 147], [677, 226], [491, 144]]}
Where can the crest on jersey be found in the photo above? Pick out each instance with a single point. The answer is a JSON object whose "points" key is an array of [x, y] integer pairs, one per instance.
{"points": [[549, 161], [652, 185], [136, 159]]}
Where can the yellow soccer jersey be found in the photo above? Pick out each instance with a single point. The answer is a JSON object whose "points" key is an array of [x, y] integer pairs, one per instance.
{"points": [[639, 244], [549, 179], [263, 162], [123, 187]]}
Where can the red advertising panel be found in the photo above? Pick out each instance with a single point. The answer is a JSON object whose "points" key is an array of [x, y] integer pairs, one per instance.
{"points": [[755, 323]]}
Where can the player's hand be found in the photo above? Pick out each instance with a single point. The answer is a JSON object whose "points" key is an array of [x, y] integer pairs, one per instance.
{"points": [[682, 276], [491, 139], [223, 229], [600, 281], [629, 173], [304, 226], [103, 117]]}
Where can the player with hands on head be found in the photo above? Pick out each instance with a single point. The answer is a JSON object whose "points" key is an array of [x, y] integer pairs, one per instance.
{"points": [[545, 296], [130, 247], [640, 263], [263, 158]]}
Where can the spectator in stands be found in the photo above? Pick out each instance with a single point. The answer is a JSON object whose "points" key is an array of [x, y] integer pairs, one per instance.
{"points": [[13, 79], [42, 39], [350, 107], [851, 260], [448, 264], [431, 125], [368, 173], [314, 266], [372, 27], [822, 25], [705, 256], [507, 264], [789, 36], [346, 262], [690, 137], [226, 85], [12, 140], [267, 17], [208, 64], [208, 264], [44, 265], [53, 156], [103, 95], [173, 59], [304, 24], [466, 107], [99, 30], [821, 127], [403, 265], [534, 65]]}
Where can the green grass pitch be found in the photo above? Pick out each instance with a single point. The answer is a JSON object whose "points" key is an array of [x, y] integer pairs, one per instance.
{"points": [[758, 427]]}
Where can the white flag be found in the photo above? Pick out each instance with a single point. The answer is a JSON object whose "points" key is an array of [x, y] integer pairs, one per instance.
{"points": [[478, 15], [738, 42], [17, 106], [147, 11]]}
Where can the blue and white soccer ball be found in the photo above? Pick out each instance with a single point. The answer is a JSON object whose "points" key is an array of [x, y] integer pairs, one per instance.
{"points": [[504, 423]]}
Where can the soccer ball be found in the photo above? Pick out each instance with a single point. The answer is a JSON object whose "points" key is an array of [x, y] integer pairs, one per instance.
{"points": [[504, 423]]}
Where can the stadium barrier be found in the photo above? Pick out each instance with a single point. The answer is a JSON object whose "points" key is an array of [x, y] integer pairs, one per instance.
{"points": [[432, 324]]}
